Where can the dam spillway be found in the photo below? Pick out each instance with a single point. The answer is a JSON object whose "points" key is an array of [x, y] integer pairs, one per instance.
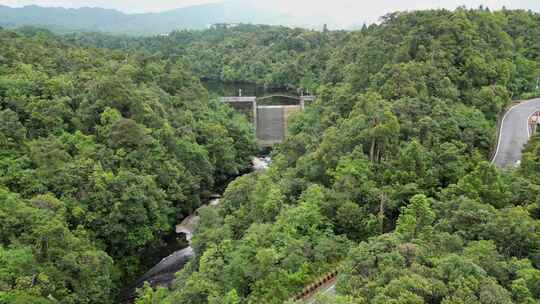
{"points": [[270, 122]]}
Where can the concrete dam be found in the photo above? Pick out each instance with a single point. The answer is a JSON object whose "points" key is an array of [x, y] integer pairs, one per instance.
{"points": [[269, 122]]}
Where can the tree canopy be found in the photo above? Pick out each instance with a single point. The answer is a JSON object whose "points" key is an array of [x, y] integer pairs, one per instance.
{"points": [[386, 176], [101, 154], [106, 142]]}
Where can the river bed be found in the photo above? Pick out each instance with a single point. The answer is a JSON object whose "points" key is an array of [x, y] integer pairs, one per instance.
{"points": [[163, 273]]}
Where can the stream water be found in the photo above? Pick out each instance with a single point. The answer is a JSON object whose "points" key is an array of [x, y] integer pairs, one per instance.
{"points": [[163, 273], [178, 251]]}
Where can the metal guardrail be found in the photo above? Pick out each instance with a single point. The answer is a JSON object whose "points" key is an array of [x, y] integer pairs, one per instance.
{"points": [[238, 99], [313, 288]]}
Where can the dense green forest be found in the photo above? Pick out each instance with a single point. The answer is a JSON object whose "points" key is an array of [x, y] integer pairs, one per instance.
{"points": [[107, 141], [270, 56], [386, 176], [100, 155]]}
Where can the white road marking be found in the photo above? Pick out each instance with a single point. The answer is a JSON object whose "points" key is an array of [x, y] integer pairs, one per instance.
{"points": [[510, 137], [327, 290], [500, 131]]}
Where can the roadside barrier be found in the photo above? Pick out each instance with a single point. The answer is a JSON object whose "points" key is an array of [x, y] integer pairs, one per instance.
{"points": [[314, 287]]}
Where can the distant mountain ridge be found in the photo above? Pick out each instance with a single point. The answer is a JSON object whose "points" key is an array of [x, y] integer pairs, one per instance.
{"points": [[113, 21]]}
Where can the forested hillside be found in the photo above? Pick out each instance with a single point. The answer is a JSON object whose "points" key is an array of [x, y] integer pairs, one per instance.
{"points": [[386, 177], [272, 56], [94, 19], [100, 155]]}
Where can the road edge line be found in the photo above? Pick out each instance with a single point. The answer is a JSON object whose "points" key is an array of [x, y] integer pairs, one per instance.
{"points": [[500, 130]]}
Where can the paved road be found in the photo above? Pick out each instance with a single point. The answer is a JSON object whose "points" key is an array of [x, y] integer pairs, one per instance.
{"points": [[514, 133], [330, 287]]}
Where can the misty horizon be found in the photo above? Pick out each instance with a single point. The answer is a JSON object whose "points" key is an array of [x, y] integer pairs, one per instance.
{"points": [[339, 13]]}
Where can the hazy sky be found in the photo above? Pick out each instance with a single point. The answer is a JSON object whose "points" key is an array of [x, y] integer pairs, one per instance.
{"points": [[348, 11]]}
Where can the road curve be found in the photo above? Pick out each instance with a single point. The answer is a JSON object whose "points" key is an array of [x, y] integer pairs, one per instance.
{"points": [[514, 133]]}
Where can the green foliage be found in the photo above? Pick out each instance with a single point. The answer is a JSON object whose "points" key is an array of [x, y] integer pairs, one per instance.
{"points": [[98, 161], [147, 295], [43, 261], [416, 218], [391, 157], [385, 174], [531, 160], [265, 259]]}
